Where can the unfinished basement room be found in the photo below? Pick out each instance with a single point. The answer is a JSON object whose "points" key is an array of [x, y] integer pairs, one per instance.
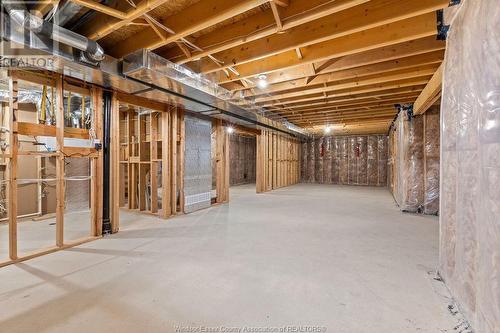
{"points": [[260, 166]]}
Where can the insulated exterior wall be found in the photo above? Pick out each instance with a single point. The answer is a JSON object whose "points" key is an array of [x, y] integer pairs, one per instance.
{"points": [[431, 160], [350, 160], [408, 190], [414, 162], [197, 164], [470, 164], [241, 159]]}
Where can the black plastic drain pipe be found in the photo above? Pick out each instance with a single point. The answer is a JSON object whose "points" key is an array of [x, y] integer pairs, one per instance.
{"points": [[106, 222]]}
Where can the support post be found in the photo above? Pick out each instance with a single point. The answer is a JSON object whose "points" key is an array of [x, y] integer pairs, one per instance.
{"points": [[115, 166], [180, 155], [173, 161], [166, 204], [12, 187], [106, 220], [222, 162], [60, 184], [96, 181]]}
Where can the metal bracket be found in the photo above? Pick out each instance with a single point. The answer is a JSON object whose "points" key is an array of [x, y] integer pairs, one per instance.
{"points": [[442, 29], [409, 110]]}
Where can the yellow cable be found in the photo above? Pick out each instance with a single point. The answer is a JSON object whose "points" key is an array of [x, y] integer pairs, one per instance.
{"points": [[44, 104], [52, 106], [83, 111], [68, 104]]}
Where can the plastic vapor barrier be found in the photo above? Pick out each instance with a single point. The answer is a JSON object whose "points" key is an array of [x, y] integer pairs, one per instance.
{"points": [[409, 158], [414, 162], [470, 164], [350, 160], [431, 161]]}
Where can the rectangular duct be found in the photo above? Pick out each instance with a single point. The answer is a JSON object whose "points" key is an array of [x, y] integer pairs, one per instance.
{"points": [[197, 164]]}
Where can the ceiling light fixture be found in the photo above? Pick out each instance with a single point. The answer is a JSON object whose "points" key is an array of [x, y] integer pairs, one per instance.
{"points": [[262, 81], [328, 129], [230, 129]]}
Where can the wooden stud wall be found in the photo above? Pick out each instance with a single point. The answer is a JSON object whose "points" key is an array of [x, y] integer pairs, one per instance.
{"points": [[59, 132], [146, 143], [278, 161], [160, 143]]}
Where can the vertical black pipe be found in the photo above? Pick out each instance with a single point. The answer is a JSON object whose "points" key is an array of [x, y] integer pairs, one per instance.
{"points": [[106, 222]]}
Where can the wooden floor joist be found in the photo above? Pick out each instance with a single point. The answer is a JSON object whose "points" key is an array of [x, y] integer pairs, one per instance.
{"points": [[306, 60]]}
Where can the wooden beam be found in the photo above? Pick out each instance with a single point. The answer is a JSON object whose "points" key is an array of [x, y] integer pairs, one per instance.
{"points": [[390, 34], [366, 105], [299, 54], [345, 113], [393, 76], [261, 25], [371, 57], [89, 152], [373, 88], [238, 129], [428, 95], [350, 100], [383, 68], [140, 101], [102, 8], [282, 3], [373, 14], [184, 48], [369, 119], [350, 114], [277, 18], [194, 18], [45, 6], [102, 24], [32, 129]]}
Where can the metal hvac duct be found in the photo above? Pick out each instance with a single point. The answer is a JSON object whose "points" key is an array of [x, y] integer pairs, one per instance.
{"points": [[91, 51], [143, 74]]}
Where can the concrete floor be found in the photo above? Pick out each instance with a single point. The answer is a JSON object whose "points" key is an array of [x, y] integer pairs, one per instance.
{"points": [[340, 258], [38, 235]]}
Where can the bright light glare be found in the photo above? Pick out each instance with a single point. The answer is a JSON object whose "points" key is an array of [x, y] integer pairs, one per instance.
{"points": [[230, 129], [262, 81], [328, 129]]}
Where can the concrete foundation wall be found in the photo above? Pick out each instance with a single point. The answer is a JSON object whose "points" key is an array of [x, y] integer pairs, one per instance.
{"points": [[242, 159], [350, 160], [470, 165]]}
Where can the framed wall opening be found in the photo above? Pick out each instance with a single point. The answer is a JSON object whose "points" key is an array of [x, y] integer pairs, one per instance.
{"points": [[148, 158], [49, 126]]}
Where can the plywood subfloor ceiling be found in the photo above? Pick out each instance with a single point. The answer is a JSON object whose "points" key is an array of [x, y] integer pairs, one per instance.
{"points": [[342, 63]]}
